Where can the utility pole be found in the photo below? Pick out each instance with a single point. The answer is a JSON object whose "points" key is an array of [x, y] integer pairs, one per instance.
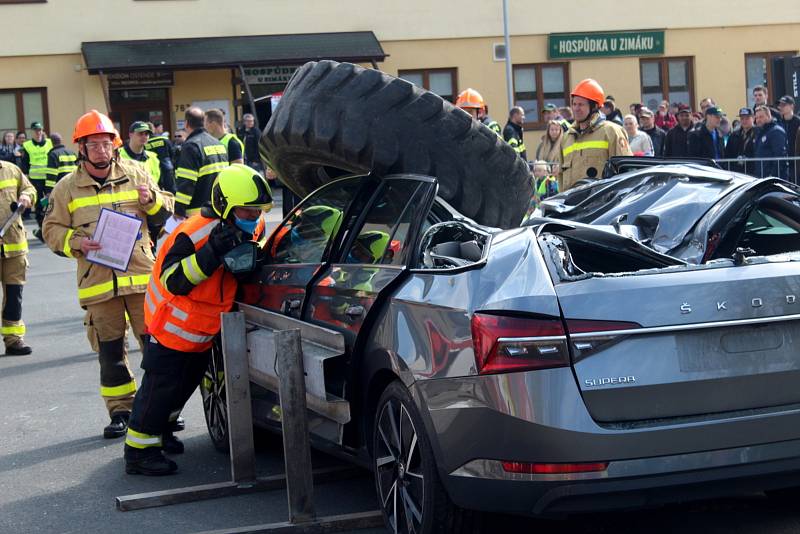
{"points": [[507, 39]]}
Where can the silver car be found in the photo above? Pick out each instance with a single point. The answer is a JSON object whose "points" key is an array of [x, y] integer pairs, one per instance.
{"points": [[638, 348]]}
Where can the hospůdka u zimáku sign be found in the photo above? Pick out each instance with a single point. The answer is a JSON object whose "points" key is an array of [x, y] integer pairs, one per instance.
{"points": [[608, 44]]}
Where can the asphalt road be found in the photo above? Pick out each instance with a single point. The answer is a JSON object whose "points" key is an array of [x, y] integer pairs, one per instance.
{"points": [[58, 475]]}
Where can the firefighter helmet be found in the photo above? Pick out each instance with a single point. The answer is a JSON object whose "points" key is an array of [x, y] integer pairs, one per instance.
{"points": [[470, 99], [95, 122], [239, 186], [590, 90]]}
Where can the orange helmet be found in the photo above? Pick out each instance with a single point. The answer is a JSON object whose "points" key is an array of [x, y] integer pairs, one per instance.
{"points": [[470, 98], [92, 123], [590, 90]]}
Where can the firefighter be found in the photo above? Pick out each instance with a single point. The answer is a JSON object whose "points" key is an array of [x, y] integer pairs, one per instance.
{"points": [[590, 139], [102, 180], [138, 135], [188, 291], [472, 102], [513, 132], [14, 189], [202, 158], [160, 144], [34, 164], [215, 125]]}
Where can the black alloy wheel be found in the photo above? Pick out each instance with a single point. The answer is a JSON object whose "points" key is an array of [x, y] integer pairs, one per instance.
{"points": [[215, 404], [398, 467]]}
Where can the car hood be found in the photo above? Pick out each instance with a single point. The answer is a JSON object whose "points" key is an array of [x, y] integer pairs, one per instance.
{"points": [[663, 202]]}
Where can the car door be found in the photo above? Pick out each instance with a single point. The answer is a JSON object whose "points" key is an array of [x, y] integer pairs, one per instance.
{"points": [[297, 249], [374, 256]]}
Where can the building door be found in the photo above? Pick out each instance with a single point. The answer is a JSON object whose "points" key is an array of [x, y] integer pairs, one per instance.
{"points": [[131, 105]]}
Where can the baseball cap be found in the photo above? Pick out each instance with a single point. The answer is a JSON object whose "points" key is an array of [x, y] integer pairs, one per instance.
{"points": [[140, 126], [36, 125], [786, 99], [714, 110], [549, 107], [684, 108], [745, 112], [645, 111]]}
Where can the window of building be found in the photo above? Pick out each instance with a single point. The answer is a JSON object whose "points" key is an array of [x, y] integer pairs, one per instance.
{"points": [[439, 81], [20, 107], [539, 84], [758, 70], [667, 79]]}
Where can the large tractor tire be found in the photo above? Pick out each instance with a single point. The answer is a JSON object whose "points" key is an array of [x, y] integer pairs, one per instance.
{"points": [[339, 118]]}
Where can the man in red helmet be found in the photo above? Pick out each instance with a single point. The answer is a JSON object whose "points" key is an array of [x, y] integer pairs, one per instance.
{"points": [[591, 139], [104, 181], [472, 102]]}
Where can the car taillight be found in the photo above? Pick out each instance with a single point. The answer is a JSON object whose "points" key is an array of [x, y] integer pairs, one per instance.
{"points": [[585, 326], [505, 343], [552, 469]]}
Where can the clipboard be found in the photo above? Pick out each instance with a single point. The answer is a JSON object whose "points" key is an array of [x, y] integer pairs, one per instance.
{"points": [[117, 233]]}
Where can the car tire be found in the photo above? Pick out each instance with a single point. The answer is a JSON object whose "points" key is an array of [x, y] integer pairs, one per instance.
{"points": [[406, 479], [342, 117], [215, 402]]}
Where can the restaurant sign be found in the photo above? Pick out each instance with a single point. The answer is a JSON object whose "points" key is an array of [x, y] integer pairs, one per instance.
{"points": [[612, 44], [275, 74]]}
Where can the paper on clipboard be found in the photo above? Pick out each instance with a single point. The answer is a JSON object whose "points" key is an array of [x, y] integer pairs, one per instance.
{"points": [[117, 234]]}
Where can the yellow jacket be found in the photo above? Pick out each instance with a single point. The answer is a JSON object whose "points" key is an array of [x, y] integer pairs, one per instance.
{"points": [[590, 148], [13, 183], [72, 214]]}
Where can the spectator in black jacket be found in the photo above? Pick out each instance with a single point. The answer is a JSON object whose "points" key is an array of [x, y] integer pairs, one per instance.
{"points": [[706, 141], [761, 98], [741, 143], [611, 112], [790, 123], [770, 143], [250, 135], [657, 135], [676, 142]]}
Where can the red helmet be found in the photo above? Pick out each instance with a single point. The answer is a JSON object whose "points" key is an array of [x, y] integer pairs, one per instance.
{"points": [[95, 122], [470, 99], [590, 90]]}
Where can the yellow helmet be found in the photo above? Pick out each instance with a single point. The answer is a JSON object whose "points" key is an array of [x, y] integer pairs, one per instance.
{"points": [[239, 186]]}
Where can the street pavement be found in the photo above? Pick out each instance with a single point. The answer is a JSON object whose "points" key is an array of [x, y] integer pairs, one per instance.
{"points": [[58, 475]]}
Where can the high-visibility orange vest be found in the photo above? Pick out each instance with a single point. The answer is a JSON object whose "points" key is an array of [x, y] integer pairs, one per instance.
{"points": [[188, 323]]}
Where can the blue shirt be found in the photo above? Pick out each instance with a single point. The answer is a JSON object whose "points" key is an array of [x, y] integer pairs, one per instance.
{"points": [[716, 147]]}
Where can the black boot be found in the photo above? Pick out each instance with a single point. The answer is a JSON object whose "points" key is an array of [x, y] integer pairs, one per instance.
{"points": [[149, 462], [118, 425], [171, 444], [18, 348]]}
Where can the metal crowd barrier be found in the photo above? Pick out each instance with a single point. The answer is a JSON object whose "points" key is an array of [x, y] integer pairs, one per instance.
{"points": [[787, 168]]}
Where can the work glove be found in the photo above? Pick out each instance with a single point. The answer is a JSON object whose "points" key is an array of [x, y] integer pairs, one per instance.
{"points": [[224, 238]]}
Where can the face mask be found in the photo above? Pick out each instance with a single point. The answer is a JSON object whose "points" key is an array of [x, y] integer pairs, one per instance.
{"points": [[246, 225]]}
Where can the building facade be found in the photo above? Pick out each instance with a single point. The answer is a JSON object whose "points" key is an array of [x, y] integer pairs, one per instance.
{"points": [[151, 59]]}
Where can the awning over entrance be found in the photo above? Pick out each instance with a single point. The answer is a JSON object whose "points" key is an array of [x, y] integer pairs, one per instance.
{"points": [[225, 52]]}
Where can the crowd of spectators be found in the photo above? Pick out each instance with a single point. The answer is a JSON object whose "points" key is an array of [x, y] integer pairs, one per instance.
{"points": [[674, 130]]}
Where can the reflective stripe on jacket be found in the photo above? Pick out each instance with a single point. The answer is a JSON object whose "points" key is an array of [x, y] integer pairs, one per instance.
{"points": [[188, 323], [590, 149], [37, 155], [72, 214], [13, 183], [60, 162], [202, 157]]}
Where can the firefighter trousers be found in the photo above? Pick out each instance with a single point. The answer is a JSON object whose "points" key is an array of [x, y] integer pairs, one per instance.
{"points": [[41, 195], [170, 378], [12, 276], [106, 326]]}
